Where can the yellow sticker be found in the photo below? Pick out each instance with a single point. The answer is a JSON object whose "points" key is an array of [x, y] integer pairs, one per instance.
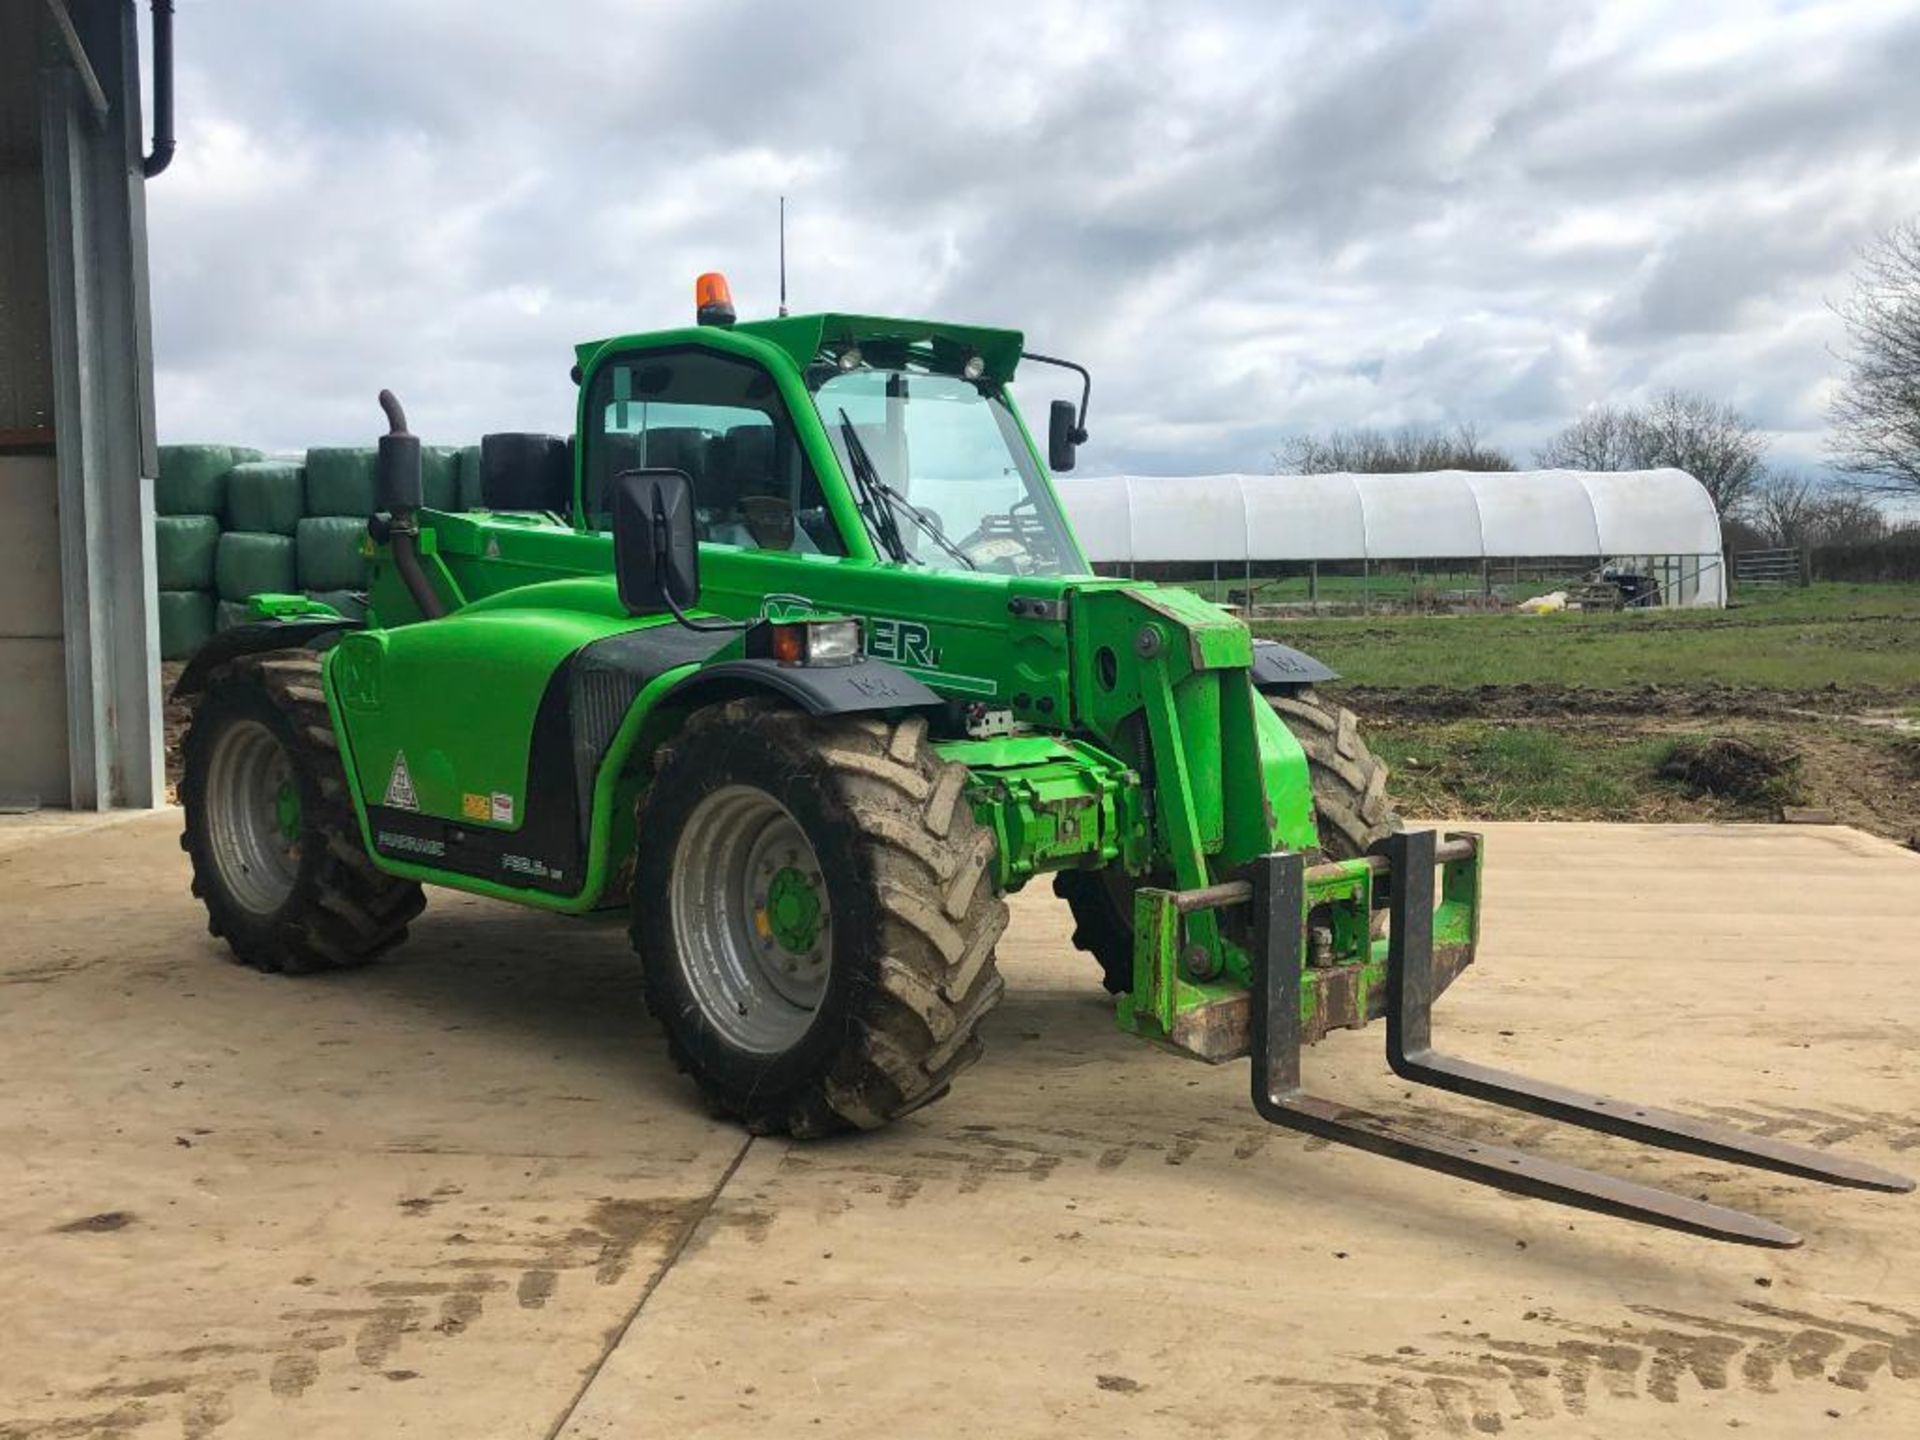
{"points": [[475, 807]]}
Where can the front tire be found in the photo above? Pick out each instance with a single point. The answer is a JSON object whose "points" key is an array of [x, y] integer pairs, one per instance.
{"points": [[815, 916], [276, 852], [1351, 811]]}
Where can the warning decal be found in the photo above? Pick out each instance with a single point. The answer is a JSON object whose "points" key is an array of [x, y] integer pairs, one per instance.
{"points": [[400, 794]]}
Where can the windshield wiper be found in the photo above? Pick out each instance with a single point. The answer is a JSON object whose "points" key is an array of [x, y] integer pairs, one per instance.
{"points": [[871, 482], [932, 531], [879, 514]]}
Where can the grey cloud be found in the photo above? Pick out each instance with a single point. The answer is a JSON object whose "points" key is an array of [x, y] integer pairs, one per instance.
{"points": [[1249, 219]]}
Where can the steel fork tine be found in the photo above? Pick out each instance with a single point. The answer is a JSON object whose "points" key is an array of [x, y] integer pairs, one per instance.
{"points": [[1279, 890], [1411, 1054]]}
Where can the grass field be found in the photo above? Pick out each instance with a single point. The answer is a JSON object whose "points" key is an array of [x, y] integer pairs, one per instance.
{"points": [[1513, 716], [1852, 636]]}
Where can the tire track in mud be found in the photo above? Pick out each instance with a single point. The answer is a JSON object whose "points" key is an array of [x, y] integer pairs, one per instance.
{"points": [[387, 1327], [971, 1156], [1658, 1354]]}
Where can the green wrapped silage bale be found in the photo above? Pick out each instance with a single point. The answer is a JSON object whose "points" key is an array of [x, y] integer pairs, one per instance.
{"points": [[186, 622], [350, 603], [251, 564], [332, 552], [229, 613], [266, 496], [469, 475], [193, 479], [340, 480], [440, 477], [183, 547]]}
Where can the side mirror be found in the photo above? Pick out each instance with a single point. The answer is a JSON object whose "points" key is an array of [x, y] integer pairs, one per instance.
{"points": [[397, 486], [656, 558], [1064, 435]]}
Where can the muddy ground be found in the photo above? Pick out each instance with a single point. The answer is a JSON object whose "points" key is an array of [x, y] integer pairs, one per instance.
{"points": [[1855, 751]]}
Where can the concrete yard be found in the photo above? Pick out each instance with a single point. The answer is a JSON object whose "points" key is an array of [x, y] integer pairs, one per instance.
{"points": [[463, 1193]]}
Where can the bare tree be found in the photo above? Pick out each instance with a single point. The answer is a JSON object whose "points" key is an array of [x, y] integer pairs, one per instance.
{"points": [[1371, 451], [1786, 506], [1710, 441], [1849, 519], [1876, 414], [1790, 508], [1601, 439]]}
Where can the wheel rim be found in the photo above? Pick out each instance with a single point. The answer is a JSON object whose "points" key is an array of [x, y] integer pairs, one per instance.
{"points": [[253, 816], [751, 920]]}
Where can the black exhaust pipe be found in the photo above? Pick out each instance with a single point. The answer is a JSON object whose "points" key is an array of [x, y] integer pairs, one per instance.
{"points": [[398, 494]]}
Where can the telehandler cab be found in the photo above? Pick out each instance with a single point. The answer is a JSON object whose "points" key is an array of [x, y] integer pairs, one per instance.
{"points": [[791, 654]]}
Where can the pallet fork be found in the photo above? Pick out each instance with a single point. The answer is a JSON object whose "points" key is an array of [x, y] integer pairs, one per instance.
{"points": [[1278, 895]]}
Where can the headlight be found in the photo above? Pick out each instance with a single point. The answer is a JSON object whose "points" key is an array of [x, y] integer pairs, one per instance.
{"points": [[833, 642], [809, 642]]}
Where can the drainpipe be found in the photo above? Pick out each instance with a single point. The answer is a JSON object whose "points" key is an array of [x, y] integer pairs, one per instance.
{"points": [[162, 155]]}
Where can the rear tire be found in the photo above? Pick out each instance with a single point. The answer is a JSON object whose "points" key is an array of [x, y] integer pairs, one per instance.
{"points": [[814, 911], [270, 830], [1351, 811]]}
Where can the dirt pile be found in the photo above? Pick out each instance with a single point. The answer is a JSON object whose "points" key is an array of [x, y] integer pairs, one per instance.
{"points": [[1732, 769]]}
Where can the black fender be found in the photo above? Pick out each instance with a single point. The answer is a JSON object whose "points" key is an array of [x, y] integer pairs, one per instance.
{"points": [[818, 689], [594, 688], [298, 632], [1281, 667]]}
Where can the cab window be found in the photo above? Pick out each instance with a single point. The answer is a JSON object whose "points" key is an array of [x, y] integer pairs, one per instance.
{"points": [[721, 420]]}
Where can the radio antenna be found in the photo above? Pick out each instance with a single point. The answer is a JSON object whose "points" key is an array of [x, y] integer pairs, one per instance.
{"points": [[783, 255]]}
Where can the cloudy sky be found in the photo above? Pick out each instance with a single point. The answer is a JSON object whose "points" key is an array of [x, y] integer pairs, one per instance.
{"points": [[1250, 219]]}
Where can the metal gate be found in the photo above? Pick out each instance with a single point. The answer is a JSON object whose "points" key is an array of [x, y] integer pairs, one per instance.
{"points": [[1768, 567]]}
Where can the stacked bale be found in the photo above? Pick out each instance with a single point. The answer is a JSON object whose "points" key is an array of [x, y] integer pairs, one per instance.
{"points": [[469, 478], [231, 524], [331, 545], [267, 497], [189, 499], [440, 477], [264, 501]]}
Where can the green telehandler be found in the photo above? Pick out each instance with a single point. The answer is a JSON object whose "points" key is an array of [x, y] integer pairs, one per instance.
{"points": [[790, 655]]}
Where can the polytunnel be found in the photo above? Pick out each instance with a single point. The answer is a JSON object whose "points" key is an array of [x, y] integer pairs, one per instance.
{"points": [[1658, 523]]}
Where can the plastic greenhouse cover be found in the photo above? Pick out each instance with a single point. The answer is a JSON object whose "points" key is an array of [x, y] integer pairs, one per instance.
{"points": [[1451, 514]]}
